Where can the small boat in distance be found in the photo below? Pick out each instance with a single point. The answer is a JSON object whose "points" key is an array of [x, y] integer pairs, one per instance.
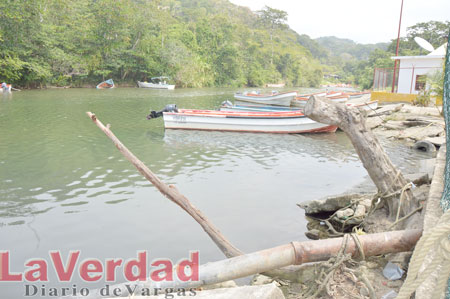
{"points": [[286, 122], [275, 85], [157, 83], [275, 98], [6, 88], [106, 84]]}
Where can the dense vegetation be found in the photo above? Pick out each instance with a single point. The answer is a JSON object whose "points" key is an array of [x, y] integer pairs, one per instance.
{"points": [[198, 43]]}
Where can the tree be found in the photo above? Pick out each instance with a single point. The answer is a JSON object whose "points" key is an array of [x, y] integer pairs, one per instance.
{"points": [[273, 19]]}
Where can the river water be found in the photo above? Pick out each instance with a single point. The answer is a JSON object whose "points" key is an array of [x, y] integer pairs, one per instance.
{"points": [[64, 186]]}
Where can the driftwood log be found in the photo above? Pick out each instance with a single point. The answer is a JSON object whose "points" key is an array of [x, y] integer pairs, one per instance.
{"points": [[386, 177]]}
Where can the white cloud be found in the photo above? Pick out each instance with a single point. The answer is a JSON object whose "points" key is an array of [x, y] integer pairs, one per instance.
{"points": [[363, 21]]}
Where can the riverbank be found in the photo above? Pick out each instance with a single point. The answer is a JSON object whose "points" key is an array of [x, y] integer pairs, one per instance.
{"points": [[422, 128]]}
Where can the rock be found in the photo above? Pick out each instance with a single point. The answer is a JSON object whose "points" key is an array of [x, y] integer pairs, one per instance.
{"points": [[330, 204], [367, 203], [424, 146], [437, 141], [386, 110], [342, 214], [360, 211], [302, 273], [221, 285], [415, 123], [420, 133], [428, 111], [313, 234], [381, 131], [259, 279], [373, 122], [418, 179], [394, 125]]}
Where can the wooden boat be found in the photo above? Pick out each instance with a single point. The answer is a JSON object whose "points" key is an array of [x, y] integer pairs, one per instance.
{"points": [[157, 83], [301, 101], [276, 98], [106, 84], [6, 88], [228, 106], [368, 106], [326, 94], [287, 122], [354, 95], [275, 85]]}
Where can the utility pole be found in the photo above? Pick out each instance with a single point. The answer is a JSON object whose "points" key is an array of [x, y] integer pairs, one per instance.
{"points": [[396, 50]]}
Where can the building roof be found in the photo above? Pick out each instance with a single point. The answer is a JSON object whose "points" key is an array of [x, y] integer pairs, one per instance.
{"points": [[438, 53], [419, 57]]}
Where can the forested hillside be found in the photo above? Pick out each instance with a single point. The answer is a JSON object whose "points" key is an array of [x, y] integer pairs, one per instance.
{"points": [[196, 42]]}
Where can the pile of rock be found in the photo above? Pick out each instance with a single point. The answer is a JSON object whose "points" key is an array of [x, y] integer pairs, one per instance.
{"points": [[410, 123]]}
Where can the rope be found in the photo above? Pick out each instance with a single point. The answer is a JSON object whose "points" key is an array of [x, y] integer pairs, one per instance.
{"points": [[436, 240], [402, 195], [334, 263]]}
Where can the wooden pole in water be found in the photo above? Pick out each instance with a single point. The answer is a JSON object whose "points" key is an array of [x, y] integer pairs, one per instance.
{"points": [[171, 192]]}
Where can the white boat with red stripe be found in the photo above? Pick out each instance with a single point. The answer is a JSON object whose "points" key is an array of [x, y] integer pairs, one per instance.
{"points": [[286, 122]]}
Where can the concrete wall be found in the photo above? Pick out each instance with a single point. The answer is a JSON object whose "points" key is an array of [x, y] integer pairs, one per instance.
{"points": [[385, 97], [411, 67]]}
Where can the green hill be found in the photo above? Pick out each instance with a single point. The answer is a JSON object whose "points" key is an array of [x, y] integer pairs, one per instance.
{"points": [[196, 42], [341, 47]]}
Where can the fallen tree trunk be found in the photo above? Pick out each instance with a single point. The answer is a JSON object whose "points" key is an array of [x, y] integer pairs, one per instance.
{"points": [[386, 177], [294, 253]]}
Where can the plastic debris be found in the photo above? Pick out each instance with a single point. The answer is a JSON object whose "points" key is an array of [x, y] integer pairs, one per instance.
{"points": [[390, 295], [392, 271]]}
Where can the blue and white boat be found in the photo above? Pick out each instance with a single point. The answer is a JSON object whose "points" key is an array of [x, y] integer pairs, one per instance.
{"points": [[228, 106], [157, 83]]}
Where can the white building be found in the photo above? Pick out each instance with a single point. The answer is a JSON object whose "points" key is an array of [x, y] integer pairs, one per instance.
{"points": [[413, 70]]}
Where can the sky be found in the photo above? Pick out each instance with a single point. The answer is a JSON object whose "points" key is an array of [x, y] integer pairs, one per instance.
{"points": [[363, 21]]}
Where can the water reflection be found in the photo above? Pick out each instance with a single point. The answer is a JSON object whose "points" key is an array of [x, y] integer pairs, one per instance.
{"points": [[266, 149]]}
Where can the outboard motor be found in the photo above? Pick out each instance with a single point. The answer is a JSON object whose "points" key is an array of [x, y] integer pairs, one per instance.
{"points": [[168, 108], [227, 104]]}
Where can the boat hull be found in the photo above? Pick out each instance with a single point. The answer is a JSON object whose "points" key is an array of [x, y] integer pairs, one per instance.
{"points": [[155, 86], [257, 108], [301, 102], [262, 122], [6, 89], [279, 99], [368, 106], [108, 84]]}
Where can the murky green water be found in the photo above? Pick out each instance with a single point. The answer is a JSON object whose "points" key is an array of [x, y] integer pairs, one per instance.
{"points": [[64, 186]]}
